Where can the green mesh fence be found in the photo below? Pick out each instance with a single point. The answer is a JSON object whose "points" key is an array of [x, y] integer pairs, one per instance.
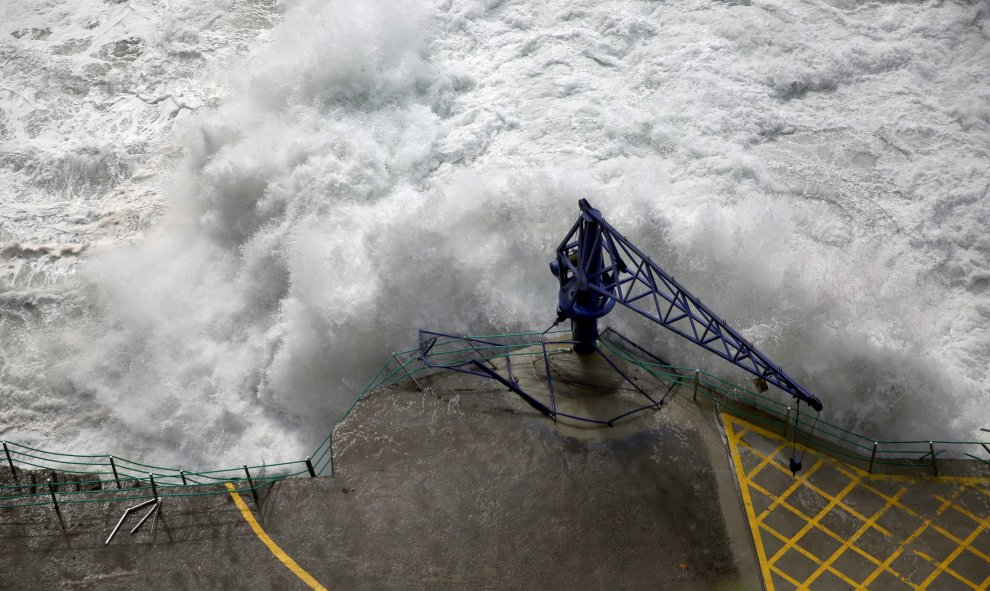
{"points": [[86, 478], [828, 437]]}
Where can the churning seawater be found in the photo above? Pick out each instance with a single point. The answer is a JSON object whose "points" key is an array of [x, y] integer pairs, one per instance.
{"points": [[217, 218]]}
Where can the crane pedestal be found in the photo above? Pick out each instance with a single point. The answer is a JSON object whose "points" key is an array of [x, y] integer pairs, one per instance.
{"points": [[585, 335]]}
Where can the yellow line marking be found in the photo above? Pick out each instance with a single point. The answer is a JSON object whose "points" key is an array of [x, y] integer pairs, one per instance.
{"points": [[942, 567], [735, 428], [786, 576], [767, 459], [783, 504], [978, 520], [795, 484], [825, 530], [900, 549], [850, 542], [974, 481], [929, 523], [855, 476], [748, 502], [926, 523], [810, 556], [960, 547], [824, 494], [278, 552], [813, 522]]}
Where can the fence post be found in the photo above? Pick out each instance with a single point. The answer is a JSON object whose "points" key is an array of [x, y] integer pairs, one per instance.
{"points": [[309, 466], [113, 466], [154, 489], [51, 491], [409, 375], [254, 493], [331, 452], [9, 461], [931, 446], [787, 421], [695, 397], [182, 473], [873, 457]]}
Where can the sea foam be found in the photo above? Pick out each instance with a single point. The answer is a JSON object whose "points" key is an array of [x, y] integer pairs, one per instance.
{"points": [[813, 171]]}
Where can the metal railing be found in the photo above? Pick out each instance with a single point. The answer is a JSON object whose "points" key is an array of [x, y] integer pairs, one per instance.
{"points": [[79, 478], [43, 477], [828, 437]]}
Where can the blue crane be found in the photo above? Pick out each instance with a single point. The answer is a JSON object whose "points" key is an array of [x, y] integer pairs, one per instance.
{"points": [[598, 267]]}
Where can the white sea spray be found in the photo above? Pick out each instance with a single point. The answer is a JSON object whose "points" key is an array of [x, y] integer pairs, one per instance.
{"points": [[217, 232]]}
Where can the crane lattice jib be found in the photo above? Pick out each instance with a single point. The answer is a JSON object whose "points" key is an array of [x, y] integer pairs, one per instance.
{"points": [[597, 264]]}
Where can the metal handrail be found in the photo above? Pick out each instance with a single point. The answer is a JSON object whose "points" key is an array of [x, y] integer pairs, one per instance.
{"points": [[128, 476]]}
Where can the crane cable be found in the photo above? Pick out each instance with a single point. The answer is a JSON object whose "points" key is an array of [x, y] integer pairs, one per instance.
{"points": [[795, 462]]}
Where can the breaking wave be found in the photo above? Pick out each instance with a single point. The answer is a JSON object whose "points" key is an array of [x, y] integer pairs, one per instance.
{"points": [[264, 235]]}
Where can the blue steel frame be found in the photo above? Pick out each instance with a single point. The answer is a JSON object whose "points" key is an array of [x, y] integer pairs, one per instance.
{"points": [[476, 366], [632, 279]]}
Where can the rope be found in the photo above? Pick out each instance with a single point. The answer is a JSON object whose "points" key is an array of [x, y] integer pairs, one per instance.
{"points": [[810, 433], [797, 422]]}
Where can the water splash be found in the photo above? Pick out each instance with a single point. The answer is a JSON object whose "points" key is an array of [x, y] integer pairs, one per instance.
{"points": [[812, 171]]}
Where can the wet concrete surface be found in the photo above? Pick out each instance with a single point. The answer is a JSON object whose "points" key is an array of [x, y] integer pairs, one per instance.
{"points": [[490, 495], [459, 486], [194, 543], [837, 526]]}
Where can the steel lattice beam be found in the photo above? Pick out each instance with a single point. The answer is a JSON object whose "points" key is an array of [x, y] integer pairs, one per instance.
{"points": [[632, 279]]}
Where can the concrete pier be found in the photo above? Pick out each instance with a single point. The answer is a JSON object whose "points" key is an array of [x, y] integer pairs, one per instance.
{"points": [[464, 485]]}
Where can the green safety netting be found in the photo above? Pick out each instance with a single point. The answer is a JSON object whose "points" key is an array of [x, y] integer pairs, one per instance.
{"points": [[81, 478]]}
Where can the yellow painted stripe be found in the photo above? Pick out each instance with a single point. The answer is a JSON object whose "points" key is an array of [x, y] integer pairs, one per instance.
{"points": [[850, 542], [978, 520], [278, 552], [767, 459], [813, 522], [964, 545], [796, 483], [812, 557], [808, 484], [757, 525], [859, 478], [754, 526]]}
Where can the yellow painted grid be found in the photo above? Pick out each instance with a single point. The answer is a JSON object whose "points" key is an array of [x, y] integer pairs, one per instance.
{"points": [[772, 565]]}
